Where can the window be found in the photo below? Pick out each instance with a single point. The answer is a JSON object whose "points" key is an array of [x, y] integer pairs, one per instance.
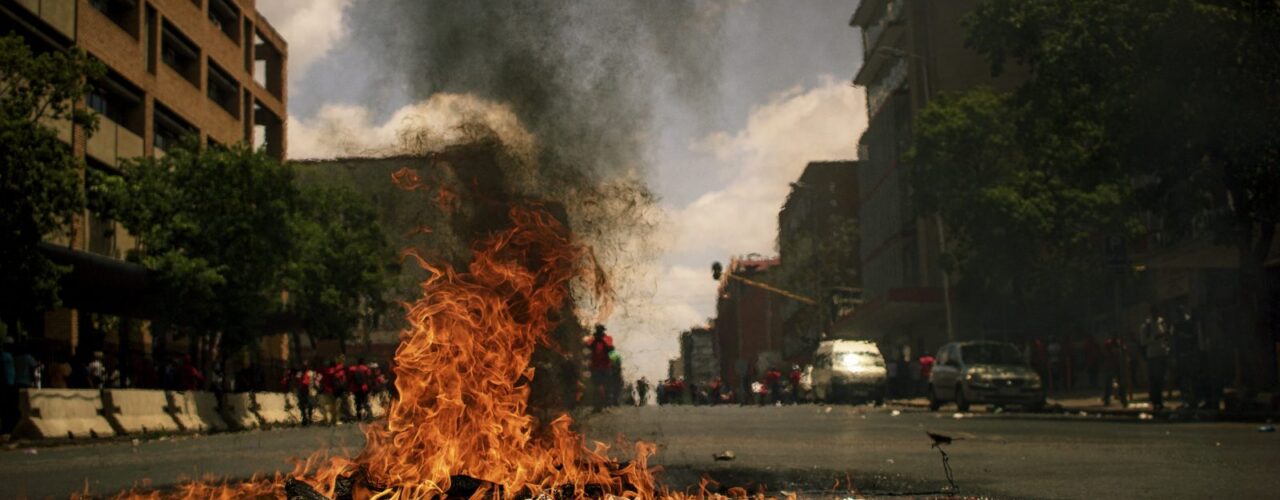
{"points": [[170, 129], [223, 90], [124, 13], [118, 101], [180, 54], [226, 16]]}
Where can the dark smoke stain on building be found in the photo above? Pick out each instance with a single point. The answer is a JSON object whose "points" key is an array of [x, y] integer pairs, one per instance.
{"points": [[581, 76]]}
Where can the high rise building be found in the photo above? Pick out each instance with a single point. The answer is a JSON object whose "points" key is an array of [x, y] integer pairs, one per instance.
{"points": [[209, 69], [912, 50]]}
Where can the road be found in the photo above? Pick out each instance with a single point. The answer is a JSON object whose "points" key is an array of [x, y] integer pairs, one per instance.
{"points": [[804, 448]]}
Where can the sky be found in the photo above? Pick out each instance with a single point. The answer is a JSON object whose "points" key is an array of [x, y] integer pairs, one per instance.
{"points": [[734, 103]]}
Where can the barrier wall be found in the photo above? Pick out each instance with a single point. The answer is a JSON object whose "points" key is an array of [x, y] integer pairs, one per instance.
{"points": [[237, 410], [62, 413], [136, 411], [276, 408], [196, 411], [86, 413]]}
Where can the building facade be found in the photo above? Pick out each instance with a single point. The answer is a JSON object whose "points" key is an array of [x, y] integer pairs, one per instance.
{"points": [[212, 70], [748, 330], [818, 245], [912, 50]]}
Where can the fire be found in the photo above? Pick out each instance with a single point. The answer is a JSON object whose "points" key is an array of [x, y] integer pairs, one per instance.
{"points": [[463, 373]]}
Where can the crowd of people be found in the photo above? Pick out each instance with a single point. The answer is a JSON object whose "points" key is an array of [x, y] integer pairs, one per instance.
{"points": [[774, 387], [20, 368], [345, 392]]}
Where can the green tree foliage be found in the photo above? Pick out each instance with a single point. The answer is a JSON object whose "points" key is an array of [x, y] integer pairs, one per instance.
{"points": [[1159, 107], [214, 224], [40, 192], [342, 262]]}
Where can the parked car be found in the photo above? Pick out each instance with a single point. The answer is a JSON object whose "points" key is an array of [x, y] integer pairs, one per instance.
{"points": [[848, 371], [983, 372]]}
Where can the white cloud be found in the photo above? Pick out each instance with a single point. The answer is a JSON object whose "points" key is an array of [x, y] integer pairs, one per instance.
{"points": [[347, 130], [779, 139], [311, 28], [647, 324], [794, 128]]}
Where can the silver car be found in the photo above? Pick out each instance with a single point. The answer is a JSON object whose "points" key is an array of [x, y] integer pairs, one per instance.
{"points": [[983, 372]]}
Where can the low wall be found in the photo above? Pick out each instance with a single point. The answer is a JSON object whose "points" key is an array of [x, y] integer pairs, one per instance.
{"points": [[62, 413]]}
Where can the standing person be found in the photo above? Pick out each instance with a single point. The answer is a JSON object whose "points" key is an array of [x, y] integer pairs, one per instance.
{"points": [[773, 379], [1186, 347], [748, 378], [1154, 336], [1113, 362], [926, 369], [189, 377], [335, 387], [642, 391], [359, 378], [300, 381], [794, 379], [96, 372], [601, 366]]}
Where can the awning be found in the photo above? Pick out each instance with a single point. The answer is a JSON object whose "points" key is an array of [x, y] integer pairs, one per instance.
{"points": [[898, 309]]}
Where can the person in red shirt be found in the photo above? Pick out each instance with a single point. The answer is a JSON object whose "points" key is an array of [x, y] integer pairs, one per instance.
{"points": [[601, 366], [360, 381], [334, 383], [794, 379], [773, 380], [190, 376], [926, 369]]}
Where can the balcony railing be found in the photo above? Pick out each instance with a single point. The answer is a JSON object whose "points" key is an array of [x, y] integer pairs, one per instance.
{"points": [[113, 142]]}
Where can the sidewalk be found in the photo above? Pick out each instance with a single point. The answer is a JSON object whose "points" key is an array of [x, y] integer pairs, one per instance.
{"points": [[1088, 403]]}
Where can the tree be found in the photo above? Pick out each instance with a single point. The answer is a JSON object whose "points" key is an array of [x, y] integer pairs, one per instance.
{"points": [[40, 187], [215, 225], [1023, 202], [1168, 104], [342, 262]]}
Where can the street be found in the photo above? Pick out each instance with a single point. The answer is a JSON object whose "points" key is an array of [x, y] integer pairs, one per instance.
{"points": [[802, 448]]}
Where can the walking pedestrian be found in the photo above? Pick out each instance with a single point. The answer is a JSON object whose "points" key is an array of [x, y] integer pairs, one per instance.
{"points": [[642, 391], [1154, 335], [601, 366]]}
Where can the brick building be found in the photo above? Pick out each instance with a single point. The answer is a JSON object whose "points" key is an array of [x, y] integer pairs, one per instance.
{"points": [[212, 69], [748, 330]]}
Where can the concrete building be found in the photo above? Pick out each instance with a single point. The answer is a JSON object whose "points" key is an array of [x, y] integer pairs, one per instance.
{"points": [[748, 330], [213, 69], [912, 50], [818, 245], [698, 353]]}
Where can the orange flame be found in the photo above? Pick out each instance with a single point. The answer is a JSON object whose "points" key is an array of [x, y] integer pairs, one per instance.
{"points": [[463, 373]]}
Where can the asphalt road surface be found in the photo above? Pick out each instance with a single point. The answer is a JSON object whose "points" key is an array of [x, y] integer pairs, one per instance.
{"points": [[807, 448]]}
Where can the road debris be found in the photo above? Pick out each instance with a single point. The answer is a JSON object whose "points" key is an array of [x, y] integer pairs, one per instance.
{"points": [[895, 413], [725, 455]]}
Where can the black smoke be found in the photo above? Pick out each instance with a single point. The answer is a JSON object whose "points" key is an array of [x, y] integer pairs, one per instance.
{"points": [[581, 75]]}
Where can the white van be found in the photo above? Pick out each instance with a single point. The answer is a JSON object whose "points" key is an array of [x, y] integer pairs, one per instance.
{"points": [[848, 371]]}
